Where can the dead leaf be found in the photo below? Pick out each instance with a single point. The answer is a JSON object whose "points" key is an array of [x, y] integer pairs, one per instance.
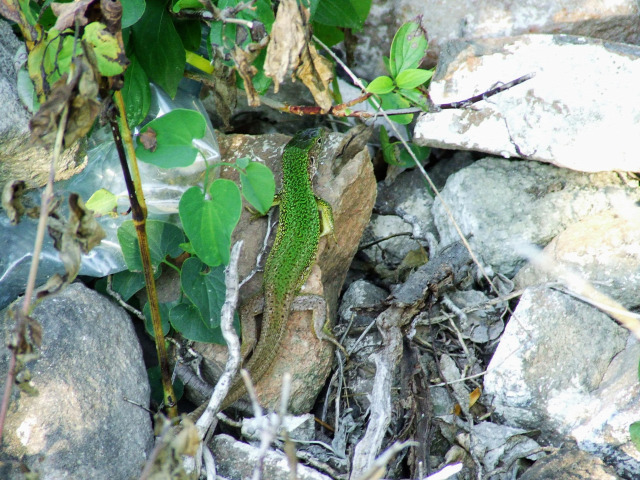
{"points": [[289, 35], [316, 72], [474, 396], [79, 234], [149, 139], [224, 91], [12, 200], [11, 10], [112, 16], [80, 94], [246, 71], [67, 13]]}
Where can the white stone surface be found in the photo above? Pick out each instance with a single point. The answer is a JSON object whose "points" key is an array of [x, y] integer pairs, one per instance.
{"points": [[579, 111]]}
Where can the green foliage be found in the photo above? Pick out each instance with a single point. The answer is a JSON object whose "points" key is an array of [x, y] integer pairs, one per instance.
{"points": [[258, 186], [400, 90], [136, 91], [102, 202], [395, 154], [155, 381], [209, 222], [159, 47], [172, 144], [164, 239]]}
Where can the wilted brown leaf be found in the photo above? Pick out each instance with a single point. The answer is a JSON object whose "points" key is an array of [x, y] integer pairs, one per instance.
{"points": [[68, 12], [316, 72], [79, 234], [289, 35], [80, 94], [12, 200], [149, 139], [243, 61], [224, 91]]}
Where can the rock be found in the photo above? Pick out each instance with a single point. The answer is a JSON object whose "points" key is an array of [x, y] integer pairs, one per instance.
{"points": [[409, 197], [349, 186], [556, 117], [236, 461], [534, 204], [602, 249], [567, 369], [360, 296], [79, 425], [569, 464], [19, 157], [447, 20], [501, 446]]}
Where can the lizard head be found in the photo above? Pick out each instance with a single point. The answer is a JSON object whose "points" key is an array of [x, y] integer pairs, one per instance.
{"points": [[308, 143]]}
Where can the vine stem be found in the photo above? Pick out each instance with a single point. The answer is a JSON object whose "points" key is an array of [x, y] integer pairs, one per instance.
{"points": [[122, 134]]}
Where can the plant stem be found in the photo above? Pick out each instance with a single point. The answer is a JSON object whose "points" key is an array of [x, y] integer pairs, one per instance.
{"points": [[139, 215]]}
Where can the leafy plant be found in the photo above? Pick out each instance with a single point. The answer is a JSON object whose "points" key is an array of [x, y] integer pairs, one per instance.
{"points": [[401, 88]]}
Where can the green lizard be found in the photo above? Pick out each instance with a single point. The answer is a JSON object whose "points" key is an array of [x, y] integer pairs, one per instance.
{"points": [[304, 219]]}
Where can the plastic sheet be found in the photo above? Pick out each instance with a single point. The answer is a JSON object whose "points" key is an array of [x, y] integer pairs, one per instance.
{"points": [[162, 188]]}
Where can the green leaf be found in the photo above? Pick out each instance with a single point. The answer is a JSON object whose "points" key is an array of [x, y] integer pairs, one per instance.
{"points": [[337, 13], [164, 317], [413, 77], [187, 320], [243, 162], [258, 186], [381, 85], [174, 133], [393, 101], [127, 283], [190, 32], [132, 11], [191, 4], [408, 48], [136, 92], [329, 35], [388, 149], [205, 288], [634, 431], [415, 97], [164, 239], [102, 202], [210, 223], [405, 160], [106, 47], [158, 46], [155, 382]]}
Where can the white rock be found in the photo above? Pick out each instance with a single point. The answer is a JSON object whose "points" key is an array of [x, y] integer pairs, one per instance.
{"points": [[571, 113], [569, 370]]}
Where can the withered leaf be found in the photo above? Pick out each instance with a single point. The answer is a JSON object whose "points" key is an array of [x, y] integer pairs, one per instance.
{"points": [[149, 139], [243, 61], [80, 95], [68, 12], [79, 234], [289, 35], [12, 200], [224, 91], [316, 72]]}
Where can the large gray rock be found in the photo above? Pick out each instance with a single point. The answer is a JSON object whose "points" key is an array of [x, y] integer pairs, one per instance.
{"points": [[570, 114], [79, 425], [567, 369], [602, 249], [505, 205]]}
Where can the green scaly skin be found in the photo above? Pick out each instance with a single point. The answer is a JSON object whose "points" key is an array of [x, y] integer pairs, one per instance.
{"points": [[293, 252]]}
